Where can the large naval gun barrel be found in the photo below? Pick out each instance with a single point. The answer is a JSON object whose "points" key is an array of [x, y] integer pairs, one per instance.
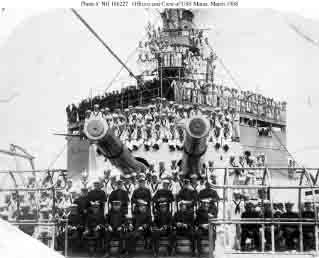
{"points": [[110, 146], [195, 144]]}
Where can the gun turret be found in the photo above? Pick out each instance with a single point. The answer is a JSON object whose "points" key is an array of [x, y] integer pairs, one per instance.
{"points": [[110, 146], [195, 144]]}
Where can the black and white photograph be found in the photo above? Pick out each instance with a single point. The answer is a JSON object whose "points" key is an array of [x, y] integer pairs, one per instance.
{"points": [[159, 132]]}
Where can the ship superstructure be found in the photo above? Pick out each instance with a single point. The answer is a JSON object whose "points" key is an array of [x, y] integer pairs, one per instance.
{"points": [[178, 64]]}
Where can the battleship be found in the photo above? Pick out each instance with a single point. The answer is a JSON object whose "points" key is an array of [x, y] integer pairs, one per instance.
{"points": [[175, 129]]}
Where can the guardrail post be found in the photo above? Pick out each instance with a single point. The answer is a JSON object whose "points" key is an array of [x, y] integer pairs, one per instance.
{"points": [[273, 238], [66, 238], [53, 238], [211, 240], [316, 239], [300, 237], [263, 238]]}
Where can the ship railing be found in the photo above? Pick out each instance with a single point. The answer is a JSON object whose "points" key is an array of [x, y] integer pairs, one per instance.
{"points": [[260, 111], [51, 185], [297, 188], [47, 226], [231, 245]]}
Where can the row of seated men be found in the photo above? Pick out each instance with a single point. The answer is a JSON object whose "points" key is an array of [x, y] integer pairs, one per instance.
{"points": [[286, 236], [92, 222], [144, 225], [145, 126]]}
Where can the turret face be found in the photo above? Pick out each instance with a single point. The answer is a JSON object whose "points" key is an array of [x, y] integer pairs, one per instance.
{"points": [[198, 127], [95, 129]]}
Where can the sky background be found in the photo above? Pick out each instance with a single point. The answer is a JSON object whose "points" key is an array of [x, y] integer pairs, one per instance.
{"points": [[48, 60]]}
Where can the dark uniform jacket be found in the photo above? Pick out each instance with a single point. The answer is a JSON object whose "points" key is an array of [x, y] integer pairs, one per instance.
{"points": [[186, 217], [208, 193], [187, 195], [141, 219], [250, 215], [75, 220], [165, 194], [83, 203], [308, 215], [142, 193], [163, 219], [115, 219], [201, 216], [289, 215], [94, 220], [120, 195], [97, 195]]}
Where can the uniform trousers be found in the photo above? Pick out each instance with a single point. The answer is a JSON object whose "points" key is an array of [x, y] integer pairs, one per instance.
{"points": [[119, 235], [201, 234], [187, 233], [134, 236], [156, 236]]}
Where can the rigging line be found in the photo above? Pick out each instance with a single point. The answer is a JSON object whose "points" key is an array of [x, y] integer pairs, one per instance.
{"points": [[102, 41], [285, 148], [300, 33], [57, 156], [220, 60], [121, 69]]}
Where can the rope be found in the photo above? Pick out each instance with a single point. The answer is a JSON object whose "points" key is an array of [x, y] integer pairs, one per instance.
{"points": [[121, 69], [220, 60], [102, 41], [57, 156], [285, 148]]}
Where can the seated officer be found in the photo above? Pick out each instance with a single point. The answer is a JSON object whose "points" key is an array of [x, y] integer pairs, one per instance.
{"points": [[83, 201], [203, 213], [115, 226], [308, 230], [184, 224], [97, 195], [94, 222], [208, 192], [121, 195], [141, 192], [187, 193], [76, 222], [163, 194], [140, 228], [268, 214], [250, 232], [289, 232], [75, 226], [162, 226]]}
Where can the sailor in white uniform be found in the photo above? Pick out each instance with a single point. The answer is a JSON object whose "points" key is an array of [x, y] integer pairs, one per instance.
{"points": [[96, 112], [172, 139], [137, 137], [157, 137], [155, 183], [195, 111], [236, 125], [147, 136]]}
